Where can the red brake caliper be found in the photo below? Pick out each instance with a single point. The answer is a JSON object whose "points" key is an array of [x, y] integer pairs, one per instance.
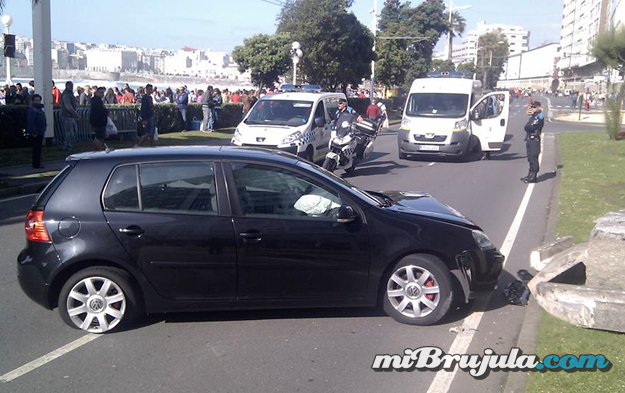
{"points": [[429, 283]]}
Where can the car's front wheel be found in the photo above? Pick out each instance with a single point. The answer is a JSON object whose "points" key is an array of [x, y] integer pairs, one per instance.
{"points": [[98, 300], [418, 290], [329, 164]]}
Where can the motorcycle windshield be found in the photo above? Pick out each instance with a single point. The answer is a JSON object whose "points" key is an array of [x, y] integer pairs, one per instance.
{"points": [[344, 123]]}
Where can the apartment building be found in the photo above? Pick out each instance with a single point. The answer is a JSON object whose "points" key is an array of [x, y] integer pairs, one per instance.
{"points": [[518, 39]]}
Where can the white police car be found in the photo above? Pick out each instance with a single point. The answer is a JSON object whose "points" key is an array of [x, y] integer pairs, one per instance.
{"points": [[297, 122]]}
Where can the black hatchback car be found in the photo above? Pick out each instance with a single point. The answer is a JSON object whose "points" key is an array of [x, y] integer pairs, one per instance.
{"points": [[119, 234]]}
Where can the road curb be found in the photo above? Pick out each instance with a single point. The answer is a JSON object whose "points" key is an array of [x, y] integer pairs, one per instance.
{"points": [[517, 381]]}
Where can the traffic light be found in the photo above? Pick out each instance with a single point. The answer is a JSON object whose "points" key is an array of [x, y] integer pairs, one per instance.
{"points": [[9, 45]]}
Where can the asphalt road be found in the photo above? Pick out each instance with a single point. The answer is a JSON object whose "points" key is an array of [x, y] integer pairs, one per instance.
{"points": [[294, 351]]}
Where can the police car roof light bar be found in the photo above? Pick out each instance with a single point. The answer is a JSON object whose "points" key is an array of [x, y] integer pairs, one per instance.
{"points": [[447, 74]]}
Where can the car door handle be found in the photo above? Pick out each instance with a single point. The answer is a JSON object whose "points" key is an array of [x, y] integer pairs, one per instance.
{"points": [[251, 237], [132, 230], [502, 122]]}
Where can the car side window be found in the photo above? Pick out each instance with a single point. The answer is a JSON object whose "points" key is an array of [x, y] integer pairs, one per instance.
{"points": [[265, 191], [332, 104], [178, 187], [319, 112], [121, 190]]}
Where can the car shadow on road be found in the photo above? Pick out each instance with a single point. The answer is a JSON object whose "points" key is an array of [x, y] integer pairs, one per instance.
{"points": [[460, 311], [256, 315]]}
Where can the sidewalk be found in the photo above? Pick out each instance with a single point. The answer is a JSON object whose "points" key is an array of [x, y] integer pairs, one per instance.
{"points": [[24, 179]]}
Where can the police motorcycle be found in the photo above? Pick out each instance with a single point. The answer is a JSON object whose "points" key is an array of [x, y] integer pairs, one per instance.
{"points": [[351, 142]]}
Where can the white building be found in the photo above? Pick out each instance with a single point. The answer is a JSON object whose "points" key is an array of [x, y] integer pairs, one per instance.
{"points": [[535, 68], [617, 13], [582, 20], [111, 60], [60, 59], [517, 37]]}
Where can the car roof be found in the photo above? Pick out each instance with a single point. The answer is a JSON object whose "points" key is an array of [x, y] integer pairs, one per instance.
{"points": [[185, 153], [301, 96]]}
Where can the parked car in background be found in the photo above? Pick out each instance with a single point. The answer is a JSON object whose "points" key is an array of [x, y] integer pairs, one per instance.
{"points": [[121, 233]]}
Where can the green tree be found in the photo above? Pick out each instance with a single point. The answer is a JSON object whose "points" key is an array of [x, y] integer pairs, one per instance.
{"points": [[443, 65], [491, 55], [338, 49], [456, 28], [467, 67], [609, 49], [414, 31], [267, 57]]}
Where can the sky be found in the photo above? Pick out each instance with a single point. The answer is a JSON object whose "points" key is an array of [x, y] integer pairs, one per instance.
{"points": [[221, 25]]}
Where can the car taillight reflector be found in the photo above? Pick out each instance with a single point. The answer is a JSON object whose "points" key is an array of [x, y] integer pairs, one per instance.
{"points": [[35, 227]]}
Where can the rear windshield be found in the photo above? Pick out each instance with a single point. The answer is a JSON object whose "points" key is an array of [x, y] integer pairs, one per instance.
{"points": [[437, 105], [42, 199], [280, 113]]}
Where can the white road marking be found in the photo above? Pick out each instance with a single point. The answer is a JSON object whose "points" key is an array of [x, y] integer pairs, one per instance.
{"points": [[431, 163], [443, 379], [17, 197], [47, 358]]}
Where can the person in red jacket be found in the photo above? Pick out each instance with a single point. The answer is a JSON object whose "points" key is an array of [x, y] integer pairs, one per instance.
{"points": [[56, 95], [373, 111]]}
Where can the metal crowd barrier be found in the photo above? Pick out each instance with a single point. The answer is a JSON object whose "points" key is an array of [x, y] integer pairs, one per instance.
{"points": [[125, 120]]}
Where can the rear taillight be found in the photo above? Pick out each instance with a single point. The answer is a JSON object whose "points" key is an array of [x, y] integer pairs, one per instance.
{"points": [[35, 227]]}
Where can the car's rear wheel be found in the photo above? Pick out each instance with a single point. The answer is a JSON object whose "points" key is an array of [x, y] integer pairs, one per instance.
{"points": [[99, 300], [418, 291]]}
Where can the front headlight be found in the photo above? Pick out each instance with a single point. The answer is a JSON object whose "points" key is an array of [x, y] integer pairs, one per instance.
{"points": [[236, 138], [461, 125], [482, 240], [293, 137]]}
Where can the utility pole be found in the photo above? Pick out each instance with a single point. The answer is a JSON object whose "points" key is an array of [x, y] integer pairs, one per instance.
{"points": [[42, 38], [375, 29]]}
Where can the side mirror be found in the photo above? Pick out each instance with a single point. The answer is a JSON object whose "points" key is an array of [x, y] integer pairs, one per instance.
{"points": [[320, 122], [475, 115], [346, 215]]}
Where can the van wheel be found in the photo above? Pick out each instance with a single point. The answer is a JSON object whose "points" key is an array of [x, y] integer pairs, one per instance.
{"points": [[308, 154], [418, 291], [99, 300], [473, 151], [403, 156]]}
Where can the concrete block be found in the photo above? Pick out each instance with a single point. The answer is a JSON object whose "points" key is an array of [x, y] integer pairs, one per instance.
{"points": [[582, 306], [606, 252], [559, 263], [542, 255]]}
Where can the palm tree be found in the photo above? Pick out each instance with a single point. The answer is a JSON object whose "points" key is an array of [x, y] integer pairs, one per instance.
{"points": [[609, 49], [456, 28]]}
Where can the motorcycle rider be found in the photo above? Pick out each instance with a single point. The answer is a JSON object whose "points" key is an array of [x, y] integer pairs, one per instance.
{"points": [[533, 128], [346, 112]]}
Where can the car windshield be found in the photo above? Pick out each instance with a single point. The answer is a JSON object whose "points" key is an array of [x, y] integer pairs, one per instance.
{"points": [[280, 112], [437, 105]]}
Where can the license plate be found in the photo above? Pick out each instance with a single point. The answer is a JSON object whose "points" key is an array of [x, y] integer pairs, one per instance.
{"points": [[428, 147]]}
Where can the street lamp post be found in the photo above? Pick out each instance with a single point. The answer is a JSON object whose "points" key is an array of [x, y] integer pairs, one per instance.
{"points": [[7, 21], [296, 53]]}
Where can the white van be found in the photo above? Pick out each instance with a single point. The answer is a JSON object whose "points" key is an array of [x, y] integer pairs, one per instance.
{"points": [[297, 122], [449, 115]]}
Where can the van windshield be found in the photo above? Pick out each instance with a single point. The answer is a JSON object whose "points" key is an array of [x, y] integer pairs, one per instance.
{"points": [[280, 112], [437, 105]]}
